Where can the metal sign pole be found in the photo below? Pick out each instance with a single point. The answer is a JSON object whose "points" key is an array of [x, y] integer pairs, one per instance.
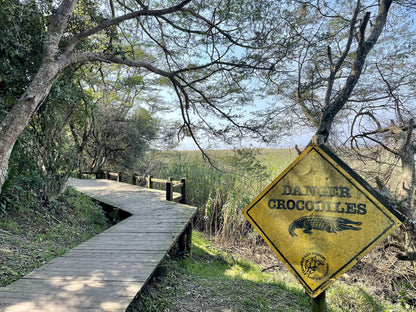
{"points": [[319, 303]]}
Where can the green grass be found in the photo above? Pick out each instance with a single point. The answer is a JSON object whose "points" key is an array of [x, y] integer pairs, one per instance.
{"points": [[276, 160], [214, 281]]}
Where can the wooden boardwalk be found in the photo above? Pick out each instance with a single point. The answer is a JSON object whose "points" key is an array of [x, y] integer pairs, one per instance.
{"points": [[107, 271]]}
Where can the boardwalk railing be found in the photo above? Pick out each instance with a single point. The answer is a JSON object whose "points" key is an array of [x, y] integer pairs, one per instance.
{"points": [[170, 184]]}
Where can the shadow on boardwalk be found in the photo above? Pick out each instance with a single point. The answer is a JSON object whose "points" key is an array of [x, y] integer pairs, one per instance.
{"points": [[107, 271]]}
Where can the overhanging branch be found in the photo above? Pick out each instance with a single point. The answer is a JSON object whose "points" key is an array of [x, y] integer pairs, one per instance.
{"points": [[111, 58], [118, 20]]}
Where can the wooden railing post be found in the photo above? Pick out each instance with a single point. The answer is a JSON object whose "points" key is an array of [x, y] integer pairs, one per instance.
{"points": [[185, 241], [149, 183], [170, 184], [107, 175], [183, 191], [169, 190]]}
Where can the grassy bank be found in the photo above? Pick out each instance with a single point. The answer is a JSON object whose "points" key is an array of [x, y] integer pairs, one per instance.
{"points": [[217, 281], [34, 233]]}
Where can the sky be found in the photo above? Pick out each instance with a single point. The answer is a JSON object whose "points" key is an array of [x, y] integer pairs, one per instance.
{"points": [[300, 140], [174, 114]]}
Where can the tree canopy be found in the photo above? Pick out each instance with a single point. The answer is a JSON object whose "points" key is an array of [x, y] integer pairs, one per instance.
{"points": [[189, 45], [338, 65]]}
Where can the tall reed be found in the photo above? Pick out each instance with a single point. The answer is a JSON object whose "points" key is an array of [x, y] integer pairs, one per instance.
{"points": [[222, 192]]}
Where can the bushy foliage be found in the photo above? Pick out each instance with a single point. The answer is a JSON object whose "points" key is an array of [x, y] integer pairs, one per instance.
{"points": [[75, 128], [118, 138], [24, 182], [20, 47]]}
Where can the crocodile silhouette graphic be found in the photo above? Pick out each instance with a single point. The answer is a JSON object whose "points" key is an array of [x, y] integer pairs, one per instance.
{"points": [[323, 223]]}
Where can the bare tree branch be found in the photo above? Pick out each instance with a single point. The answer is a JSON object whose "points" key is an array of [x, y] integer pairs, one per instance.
{"points": [[111, 58], [364, 47]]}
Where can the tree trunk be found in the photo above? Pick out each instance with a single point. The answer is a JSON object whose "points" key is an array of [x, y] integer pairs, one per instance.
{"points": [[407, 183], [21, 113], [408, 177], [54, 61]]}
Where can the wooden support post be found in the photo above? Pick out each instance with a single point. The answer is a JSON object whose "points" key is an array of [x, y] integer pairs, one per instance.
{"points": [[319, 303], [169, 190], [107, 175], [189, 239], [149, 183], [119, 176], [133, 180], [99, 174], [185, 241], [183, 191]]}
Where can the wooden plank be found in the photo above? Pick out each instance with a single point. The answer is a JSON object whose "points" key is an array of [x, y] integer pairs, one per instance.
{"points": [[130, 276], [29, 307], [132, 256], [77, 285], [106, 272], [53, 303], [126, 236], [75, 290], [109, 262], [83, 264], [137, 245], [97, 273], [144, 246]]}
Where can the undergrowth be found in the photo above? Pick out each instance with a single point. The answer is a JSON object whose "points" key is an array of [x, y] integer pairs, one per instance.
{"points": [[223, 190], [215, 281], [38, 231]]}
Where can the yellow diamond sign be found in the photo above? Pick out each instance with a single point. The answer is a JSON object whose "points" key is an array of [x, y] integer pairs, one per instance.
{"points": [[320, 218]]}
